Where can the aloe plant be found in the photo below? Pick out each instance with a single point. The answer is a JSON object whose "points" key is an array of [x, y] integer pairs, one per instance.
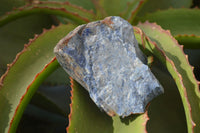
{"points": [[36, 95]]}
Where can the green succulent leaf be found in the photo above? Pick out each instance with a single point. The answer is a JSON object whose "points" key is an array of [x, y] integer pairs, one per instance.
{"points": [[77, 10], [167, 49], [58, 77], [132, 9], [155, 5], [86, 4], [26, 73], [113, 7], [136, 123], [48, 107], [94, 120], [126, 8], [7, 5], [178, 21], [14, 35], [183, 23], [73, 13], [166, 112]]}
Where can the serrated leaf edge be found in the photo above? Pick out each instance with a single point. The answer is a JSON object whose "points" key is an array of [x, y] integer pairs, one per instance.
{"points": [[9, 66], [37, 75], [145, 115], [68, 3], [180, 46], [188, 45], [36, 6], [162, 10], [25, 49], [70, 114], [173, 66]]}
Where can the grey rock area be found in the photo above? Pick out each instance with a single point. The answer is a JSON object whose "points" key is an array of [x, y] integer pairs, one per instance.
{"points": [[104, 57]]}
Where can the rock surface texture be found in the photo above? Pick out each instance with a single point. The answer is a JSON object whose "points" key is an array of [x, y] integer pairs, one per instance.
{"points": [[104, 57]]}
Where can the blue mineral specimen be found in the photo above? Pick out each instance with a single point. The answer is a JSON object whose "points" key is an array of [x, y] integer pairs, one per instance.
{"points": [[104, 57]]}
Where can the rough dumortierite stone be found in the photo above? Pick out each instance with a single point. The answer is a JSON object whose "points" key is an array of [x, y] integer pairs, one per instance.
{"points": [[104, 57]]}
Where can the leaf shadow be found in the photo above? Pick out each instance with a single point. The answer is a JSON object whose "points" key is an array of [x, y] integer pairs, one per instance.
{"points": [[4, 113], [127, 120]]}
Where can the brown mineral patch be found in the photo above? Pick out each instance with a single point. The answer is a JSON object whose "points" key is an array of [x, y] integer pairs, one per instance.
{"points": [[107, 21]]}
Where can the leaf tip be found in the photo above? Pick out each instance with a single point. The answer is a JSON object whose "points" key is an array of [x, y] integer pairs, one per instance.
{"points": [[182, 46], [186, 56], [192, 68], [44, 30], [53, 26], [36, 35]]}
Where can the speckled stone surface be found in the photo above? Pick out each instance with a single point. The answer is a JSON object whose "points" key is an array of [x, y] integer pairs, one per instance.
{"points": [[104, 57]]}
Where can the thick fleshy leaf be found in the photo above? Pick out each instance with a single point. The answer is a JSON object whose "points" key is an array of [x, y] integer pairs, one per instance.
{"points": [[59, 77], [14, 104], [78, 10], [73, 13], [166, 48], [86, 4], [132, 9], [154, 5], [115, 7], [193, 57], [14, 35], [166, 112], [93, 120], [45, 110], [178, 21], [7, 5], [183, 23], [48, 108], [27, 26], [25, 75]]}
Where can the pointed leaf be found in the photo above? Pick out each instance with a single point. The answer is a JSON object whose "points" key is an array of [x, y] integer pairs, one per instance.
{"points": [[73, 13], [183, 23], [113, 7], [155, 5], [136, 123], [93, 120], [178, 21], [166, 112], [14, 35], [166, 48], [86, 4], [26, 73], [69, 7], [58, 77], [7, 5], [132, 9]]}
